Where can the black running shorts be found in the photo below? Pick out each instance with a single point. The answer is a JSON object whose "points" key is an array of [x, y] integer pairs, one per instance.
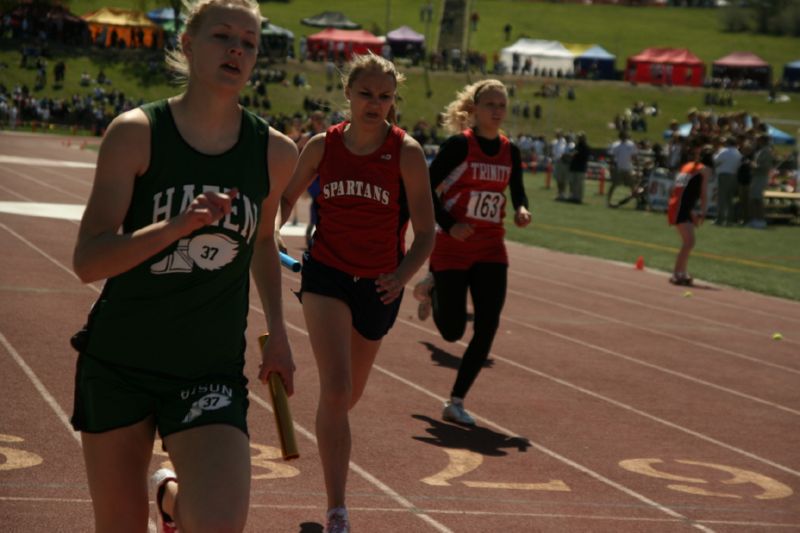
{"points": [[372, 318]]}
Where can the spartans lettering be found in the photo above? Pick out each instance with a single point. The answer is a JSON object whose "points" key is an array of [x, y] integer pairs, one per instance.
{"points": [[356, 188]]}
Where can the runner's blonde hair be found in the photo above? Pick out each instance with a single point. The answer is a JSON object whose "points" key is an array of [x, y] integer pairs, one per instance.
{"points": [[196, 15], [369, 62], [459, 114]]}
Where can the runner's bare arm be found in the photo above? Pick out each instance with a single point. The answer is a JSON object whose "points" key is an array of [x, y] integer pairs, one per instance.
{"points": [[101, 250], [414, 173], [304, 172], [265, 267]]}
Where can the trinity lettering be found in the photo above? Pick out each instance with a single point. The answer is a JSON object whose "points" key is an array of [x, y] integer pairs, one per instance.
{"points": [[487, 172]]}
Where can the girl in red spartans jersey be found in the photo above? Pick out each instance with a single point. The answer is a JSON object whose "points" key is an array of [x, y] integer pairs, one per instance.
{"points": [[691, 184], [469, 176], [372, 178]]}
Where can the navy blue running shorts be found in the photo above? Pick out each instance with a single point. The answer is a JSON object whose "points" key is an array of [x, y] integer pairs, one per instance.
{"points": [[372, 318]]}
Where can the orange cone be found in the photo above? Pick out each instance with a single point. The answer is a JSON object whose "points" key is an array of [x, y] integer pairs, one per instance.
{"points": [[640, 263]]}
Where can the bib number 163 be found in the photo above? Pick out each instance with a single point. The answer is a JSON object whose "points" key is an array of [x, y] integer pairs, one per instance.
{"points": [[485, 205]]}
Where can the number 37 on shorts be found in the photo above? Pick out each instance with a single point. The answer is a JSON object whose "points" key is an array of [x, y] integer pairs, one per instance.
{"points": [[486, 205]]}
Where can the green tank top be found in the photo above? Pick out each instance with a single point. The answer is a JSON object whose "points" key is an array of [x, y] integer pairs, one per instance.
{"points": [[183, 312]]}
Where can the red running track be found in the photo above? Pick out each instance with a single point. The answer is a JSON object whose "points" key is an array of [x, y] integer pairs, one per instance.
{"points": [[612, 402]]}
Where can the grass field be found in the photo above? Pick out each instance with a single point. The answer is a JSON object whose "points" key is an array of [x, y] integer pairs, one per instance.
{"points": [[623, 31], [762, 261]]}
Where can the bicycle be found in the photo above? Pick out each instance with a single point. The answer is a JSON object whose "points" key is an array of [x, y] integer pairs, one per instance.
{"points": [[638, 190]]}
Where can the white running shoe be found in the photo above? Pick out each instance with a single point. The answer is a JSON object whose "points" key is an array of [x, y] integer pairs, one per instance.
{"points": [[422, 292], [337, 521], [157, 482], [455, 412]]}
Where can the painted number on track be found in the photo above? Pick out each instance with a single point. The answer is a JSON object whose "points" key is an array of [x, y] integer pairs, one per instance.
{"points": [[12, 458], [770, 488], [264, 457], [462, 462]]}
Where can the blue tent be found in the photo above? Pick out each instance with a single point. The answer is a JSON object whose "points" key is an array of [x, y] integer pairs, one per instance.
{"points": [[162, 14], [596, 62], [777, 136], [165, 17], [791, 72]]}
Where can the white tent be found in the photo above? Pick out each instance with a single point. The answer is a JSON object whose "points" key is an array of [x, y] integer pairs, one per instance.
{"points": [[543, 55]]}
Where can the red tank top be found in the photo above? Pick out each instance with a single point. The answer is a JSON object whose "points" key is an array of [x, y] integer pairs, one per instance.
{"points": [[474, 193], [362, 207]]}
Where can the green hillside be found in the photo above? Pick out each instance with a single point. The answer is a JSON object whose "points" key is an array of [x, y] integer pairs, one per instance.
{"points": [[621, 30]]}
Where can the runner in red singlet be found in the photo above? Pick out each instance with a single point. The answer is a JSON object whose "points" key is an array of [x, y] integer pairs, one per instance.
{"points": [[469, 176], [373, 177]]}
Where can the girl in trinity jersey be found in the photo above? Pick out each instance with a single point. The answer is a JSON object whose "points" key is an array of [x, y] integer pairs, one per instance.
{"points": [[469, 176], [691, 184], [372, 177], [184, 200]]}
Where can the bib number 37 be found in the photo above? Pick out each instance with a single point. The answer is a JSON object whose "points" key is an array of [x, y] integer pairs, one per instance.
{"points": [[486, 205]]}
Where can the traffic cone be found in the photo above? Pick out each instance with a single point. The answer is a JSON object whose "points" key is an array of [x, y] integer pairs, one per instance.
{"points": [[640, 263]]}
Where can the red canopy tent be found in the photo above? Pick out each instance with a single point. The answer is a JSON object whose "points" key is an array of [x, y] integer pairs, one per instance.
{"points": [[343, 43], [669, 66], [743, 69]]}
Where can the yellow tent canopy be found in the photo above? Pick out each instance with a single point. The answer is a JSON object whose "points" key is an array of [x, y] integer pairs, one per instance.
{"points": [[577, 48], [112, 26]]}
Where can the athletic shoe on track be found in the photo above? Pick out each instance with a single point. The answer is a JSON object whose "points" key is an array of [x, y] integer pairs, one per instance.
{"points": [[455, 412], [337, 521], [422, 292], [158, 481], [677, 279]]}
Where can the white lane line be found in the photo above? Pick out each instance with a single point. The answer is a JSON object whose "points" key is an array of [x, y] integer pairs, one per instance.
{"points": [[555, 455], [581, 468], [80, 197], [508, 514], [74, 213], [44, 254], [383, 487], [649, 287], [39, 386], [71, 212], [16, 194], [645, 363], [619, 404], [67, 177], [635, 302], [356, 468], [39, 162]]}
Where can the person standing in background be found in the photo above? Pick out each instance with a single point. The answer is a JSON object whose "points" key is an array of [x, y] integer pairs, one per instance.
{"points": [[691, 185], [726, 167], [559, 148], [623, 157], [763, 162], [743, 178], [578, 164]]}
